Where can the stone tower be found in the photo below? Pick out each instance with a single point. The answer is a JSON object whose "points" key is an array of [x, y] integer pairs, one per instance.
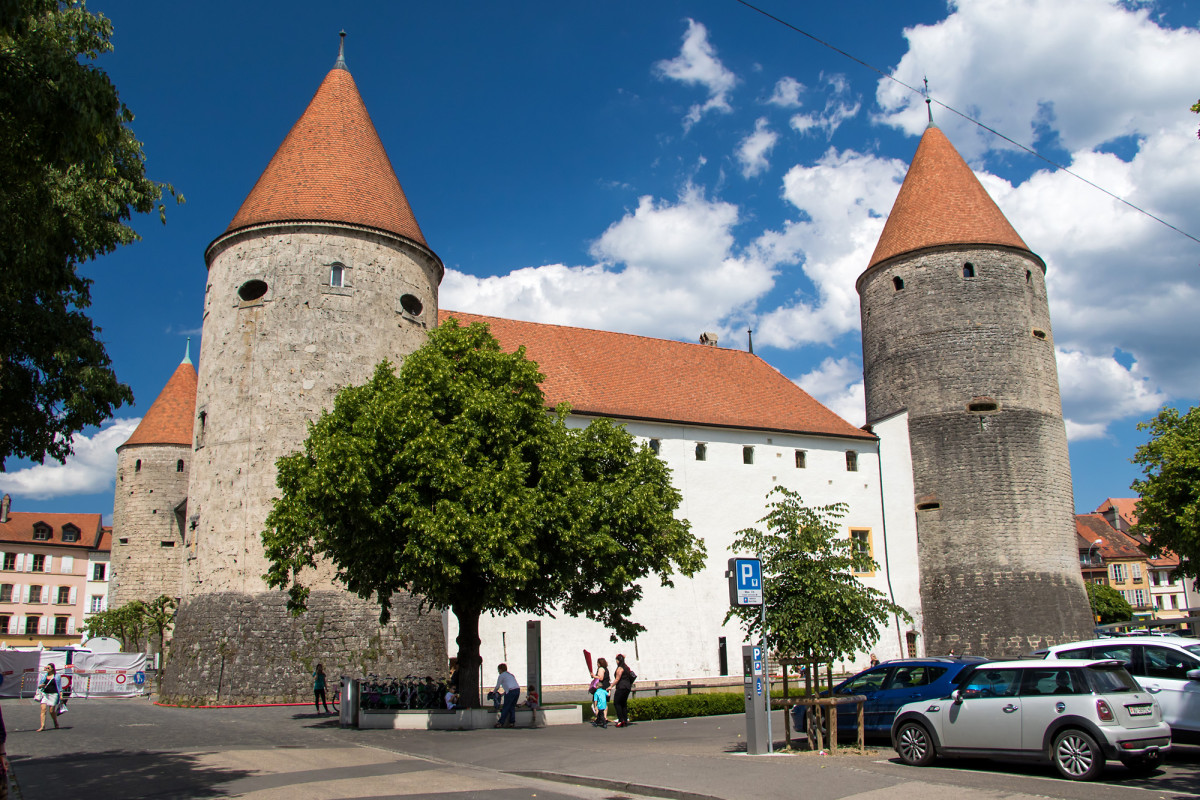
{"points": [[956, 333], [150, 503], [322, 273]]}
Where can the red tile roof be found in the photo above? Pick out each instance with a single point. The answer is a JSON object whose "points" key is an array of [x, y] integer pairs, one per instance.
{"points": [[169, 420], [19, 529], [1114, 543], [1126, 508], [942, 203], [636, 377], [331, 168]]}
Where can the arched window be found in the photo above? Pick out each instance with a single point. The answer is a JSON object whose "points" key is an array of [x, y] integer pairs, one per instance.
{"points": [[747, 455], [179, 465], [655, 446], [898, 283], [337, 274], [137, 465], [968, 270], [701, 451]]}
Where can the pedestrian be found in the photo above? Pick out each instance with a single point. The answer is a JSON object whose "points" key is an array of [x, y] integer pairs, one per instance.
{"points": [[319, 689], [952, 653], [600, 703], [624, 678], [47, 696], [3, 759], [600, 682], [507, 686], [874, 661]]}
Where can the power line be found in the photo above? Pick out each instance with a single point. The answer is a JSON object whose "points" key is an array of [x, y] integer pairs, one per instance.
{"points": [[967, 117]]}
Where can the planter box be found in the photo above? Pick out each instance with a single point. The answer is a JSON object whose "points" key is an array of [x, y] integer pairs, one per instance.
{"points": [[466, 719]]}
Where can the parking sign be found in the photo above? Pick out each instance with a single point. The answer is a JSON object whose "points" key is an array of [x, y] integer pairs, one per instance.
{"points": [[745, 582]]}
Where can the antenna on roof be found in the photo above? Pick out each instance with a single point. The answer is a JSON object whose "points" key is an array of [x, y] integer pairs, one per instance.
{"points": [[928, 102], [750, 338], [187, 352], [341, 59]]}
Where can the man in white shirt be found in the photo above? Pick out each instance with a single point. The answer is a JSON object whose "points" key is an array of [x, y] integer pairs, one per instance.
{"points": [[507, 685]]}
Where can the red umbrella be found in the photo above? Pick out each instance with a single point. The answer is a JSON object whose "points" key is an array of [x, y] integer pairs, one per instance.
{"points": [[588, 658]]}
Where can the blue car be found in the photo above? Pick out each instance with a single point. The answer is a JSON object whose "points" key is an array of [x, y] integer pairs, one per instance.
{"points": [[889, 686]]}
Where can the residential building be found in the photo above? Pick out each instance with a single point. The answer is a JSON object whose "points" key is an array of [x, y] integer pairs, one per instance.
{"points": [[1127, 568]]}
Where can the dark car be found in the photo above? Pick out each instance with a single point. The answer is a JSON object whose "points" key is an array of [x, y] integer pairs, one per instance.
{"points": [[889, 686]]}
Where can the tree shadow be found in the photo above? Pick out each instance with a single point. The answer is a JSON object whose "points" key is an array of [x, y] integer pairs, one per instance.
{"points": [[122, 773]]}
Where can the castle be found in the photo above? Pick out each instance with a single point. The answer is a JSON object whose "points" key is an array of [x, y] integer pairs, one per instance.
{"points": [[959, 486]]}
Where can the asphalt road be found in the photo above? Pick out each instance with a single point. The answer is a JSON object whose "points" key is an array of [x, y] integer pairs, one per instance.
{"points": [[132, 749]]}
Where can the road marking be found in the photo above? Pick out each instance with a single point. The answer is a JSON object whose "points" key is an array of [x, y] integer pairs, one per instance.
{"points": [[951, 770]]}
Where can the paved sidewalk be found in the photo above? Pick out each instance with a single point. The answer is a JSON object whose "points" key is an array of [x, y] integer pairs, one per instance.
{"points": [[131, 749]]}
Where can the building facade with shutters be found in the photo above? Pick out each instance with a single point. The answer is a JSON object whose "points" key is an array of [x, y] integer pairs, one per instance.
{"points": [[46, 575]]}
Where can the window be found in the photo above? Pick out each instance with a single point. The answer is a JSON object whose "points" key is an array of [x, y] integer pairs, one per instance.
{"points": [[701, 451], [911, 677], [60, 626], [1164, 662], [801, 459], [64, 595], [70, 533], [179, 465], [137, 465], [987, 682], [1136, 571], [39, 563], [860, 540], [851, 461], [747, 455], [1140, 598], [1054, 681], [897, 283], [10, 561], [968, 270], [6, 590], [411, 305], [655, 446], [31, 625], [336, 274], [96, 604], [98, 571], [34, 594], [910, 643], [867, 682], [252, 290], [5, 622], [41, 532], [1117, 571]]}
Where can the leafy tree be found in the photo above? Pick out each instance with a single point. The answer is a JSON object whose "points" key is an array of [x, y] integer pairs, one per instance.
{"points": [[102, 623], [816, 608], [452, 482], [71, 175], [1196, 110], [159, 614], [1169, 510], [1108, 605], [128, 623]]}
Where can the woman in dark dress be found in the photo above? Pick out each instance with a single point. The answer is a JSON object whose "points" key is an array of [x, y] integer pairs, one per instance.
{"points": [[624, 679]]}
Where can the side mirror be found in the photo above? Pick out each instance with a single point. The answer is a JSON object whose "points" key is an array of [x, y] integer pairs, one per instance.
{"points": [[1193, 674], [956, 696]]}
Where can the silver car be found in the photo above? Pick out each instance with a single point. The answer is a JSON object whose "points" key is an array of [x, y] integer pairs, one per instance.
{"points": [[1076, 715]]}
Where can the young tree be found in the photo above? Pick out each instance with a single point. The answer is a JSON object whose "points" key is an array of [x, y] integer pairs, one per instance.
{"points": [[1108, 605], [1169, 510], [452, 481], [71, 175], [159, 614], [816, 608]]}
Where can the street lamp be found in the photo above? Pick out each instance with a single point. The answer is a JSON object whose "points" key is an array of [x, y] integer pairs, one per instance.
{"points": [[1095, 544]]}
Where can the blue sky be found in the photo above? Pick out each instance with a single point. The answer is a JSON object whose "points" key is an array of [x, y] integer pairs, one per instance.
{"points": [[680, 166]]}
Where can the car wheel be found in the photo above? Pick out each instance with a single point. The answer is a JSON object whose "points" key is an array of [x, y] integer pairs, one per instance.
{"points": [[1143, 765], [915, 745], [1076, 755]]}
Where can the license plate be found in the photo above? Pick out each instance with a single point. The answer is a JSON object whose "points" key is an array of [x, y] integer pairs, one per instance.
{"points": [[1140, 710]]}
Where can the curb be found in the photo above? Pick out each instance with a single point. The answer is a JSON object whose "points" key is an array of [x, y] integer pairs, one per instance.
{"points": [[620, 786]]}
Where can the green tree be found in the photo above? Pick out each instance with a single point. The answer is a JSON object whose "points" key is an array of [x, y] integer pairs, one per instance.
{"points": [[1169, 510], [71, 175], [816, 608], [160, 615], [1108, 605], [1196, 110], [102, 623], [452, 481]]}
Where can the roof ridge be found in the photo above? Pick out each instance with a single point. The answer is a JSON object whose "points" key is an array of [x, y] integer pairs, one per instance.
{"points": [[169, 419]]}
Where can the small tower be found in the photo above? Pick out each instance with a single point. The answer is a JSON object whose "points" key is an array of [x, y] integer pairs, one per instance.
{"points": [[150, 503], [956, 334], [322, 274]]}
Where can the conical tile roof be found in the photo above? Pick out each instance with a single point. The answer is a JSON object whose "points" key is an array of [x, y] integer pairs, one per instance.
{"points": [[942, 203], [331, 168], [169, 420]]}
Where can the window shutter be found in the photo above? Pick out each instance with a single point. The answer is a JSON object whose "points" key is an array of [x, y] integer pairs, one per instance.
{"points": [[46, 593], [68, 564], [18, 624], [16, 592], [49, 563], [72, 600], [29, 562], [104, 603], [71, 623], [1, 556], [20, 562], [14, 624], [41, 625]]}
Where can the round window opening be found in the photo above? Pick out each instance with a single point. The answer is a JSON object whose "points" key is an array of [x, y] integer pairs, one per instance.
{"points": [[252, 290], [411, 304]]}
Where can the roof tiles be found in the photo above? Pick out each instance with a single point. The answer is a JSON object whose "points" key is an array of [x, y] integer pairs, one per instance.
{"points": [[619, 375], [942, 203], [19, 529], [169, 420], [331, 168]]}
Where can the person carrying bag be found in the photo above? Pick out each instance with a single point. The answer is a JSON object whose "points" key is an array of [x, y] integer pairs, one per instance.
{"points": [[48, 696]]}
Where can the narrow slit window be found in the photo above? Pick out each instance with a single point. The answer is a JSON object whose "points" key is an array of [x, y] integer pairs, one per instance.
{"points": [[337, 274], [898, 283], [748, 455], [801, 459], [701, 451], [179, 465], [655, 446], [851, 461], [137, 465]]}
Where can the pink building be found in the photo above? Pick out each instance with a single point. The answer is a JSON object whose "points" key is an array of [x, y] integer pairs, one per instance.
{"points": [[47, 574]]}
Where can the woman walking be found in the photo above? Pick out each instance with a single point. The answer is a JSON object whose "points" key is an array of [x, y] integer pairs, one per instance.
{"points": [[319, 689], [48, 696], [624, 678]]}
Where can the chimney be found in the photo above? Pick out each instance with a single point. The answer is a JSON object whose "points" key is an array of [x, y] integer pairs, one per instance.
{"points": [[5, 504], [709, 339]]}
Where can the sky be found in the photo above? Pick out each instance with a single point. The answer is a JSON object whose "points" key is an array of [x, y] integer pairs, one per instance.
{"points": [[682, 166]]}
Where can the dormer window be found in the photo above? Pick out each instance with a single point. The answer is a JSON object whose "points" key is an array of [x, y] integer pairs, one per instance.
{"points": [[337, 274], [41, 532], [70, 533]]}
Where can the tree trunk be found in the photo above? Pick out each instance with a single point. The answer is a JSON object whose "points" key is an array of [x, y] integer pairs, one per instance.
{"points": [[469, 660]]}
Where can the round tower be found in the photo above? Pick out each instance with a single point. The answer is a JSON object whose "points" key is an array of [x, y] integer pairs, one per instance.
{"points": [[150, 502], [322, 274], [956, 333]]}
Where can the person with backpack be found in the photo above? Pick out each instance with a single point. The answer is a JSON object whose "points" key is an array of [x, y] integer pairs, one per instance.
{"points": [[47, 696], [624, 678]]}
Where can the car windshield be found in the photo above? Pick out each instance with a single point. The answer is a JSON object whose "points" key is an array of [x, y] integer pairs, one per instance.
{"points": [[1192, 648], [1110, 680]]}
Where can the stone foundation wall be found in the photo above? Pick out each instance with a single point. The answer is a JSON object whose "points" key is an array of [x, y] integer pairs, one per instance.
{"points": [[234, 648]]}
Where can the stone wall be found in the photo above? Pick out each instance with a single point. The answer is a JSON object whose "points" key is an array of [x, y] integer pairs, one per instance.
{"points": [[237, 648], [970, 356], [147, 545]]}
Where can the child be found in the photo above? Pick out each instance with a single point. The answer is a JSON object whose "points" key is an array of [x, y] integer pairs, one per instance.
{"points": [[600, 703]]}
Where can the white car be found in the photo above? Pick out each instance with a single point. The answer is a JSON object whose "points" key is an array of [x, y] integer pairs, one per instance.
{"points": [[1076, 715], [1167, 667]]}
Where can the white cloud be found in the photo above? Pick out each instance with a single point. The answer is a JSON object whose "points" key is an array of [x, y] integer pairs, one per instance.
{"points": [[838, 384], [839, 107], [1097, 390], [92, 468], [697, 65], [752, 152], [787, 93], [664, 269]]}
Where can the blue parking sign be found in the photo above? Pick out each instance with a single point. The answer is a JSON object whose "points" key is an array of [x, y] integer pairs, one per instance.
{"points": [[745, 582]]}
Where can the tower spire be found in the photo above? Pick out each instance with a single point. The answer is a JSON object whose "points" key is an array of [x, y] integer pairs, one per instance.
{"points": [[928, 102], [341, 59], [187, 352]]}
